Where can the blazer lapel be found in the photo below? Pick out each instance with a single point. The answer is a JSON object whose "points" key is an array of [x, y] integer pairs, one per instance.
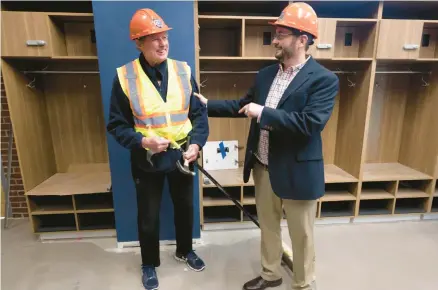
{"points": [[268, 79], [301, 77]]}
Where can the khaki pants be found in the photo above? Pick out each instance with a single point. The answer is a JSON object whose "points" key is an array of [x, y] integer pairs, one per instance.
{"points": [[300, 219]]}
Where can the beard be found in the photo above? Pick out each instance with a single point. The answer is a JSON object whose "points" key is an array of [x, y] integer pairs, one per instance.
{"points": [[282, 53]]}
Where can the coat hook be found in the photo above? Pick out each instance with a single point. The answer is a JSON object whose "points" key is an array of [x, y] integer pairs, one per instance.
{"points": [[31, 84], [425, 84], [351, 84], [202, 85]]}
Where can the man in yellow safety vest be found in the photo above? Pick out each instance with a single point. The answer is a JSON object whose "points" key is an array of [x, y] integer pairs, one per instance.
{"points": [[153, 112]]}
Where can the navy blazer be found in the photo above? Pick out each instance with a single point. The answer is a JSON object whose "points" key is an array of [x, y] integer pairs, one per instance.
{"points": [[296, 166]]}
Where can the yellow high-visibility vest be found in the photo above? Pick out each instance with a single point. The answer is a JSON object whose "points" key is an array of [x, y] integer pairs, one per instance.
{"points": [[153, 116]]}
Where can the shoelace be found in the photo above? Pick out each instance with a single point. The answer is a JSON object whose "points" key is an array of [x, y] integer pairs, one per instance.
{"points": [[192, 256], [150, 272]]}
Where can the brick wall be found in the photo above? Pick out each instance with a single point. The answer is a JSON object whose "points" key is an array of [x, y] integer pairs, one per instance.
{"points": [[17, 199]]}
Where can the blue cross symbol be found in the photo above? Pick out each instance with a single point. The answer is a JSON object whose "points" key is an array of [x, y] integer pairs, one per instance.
{"points": [[222, 150]]}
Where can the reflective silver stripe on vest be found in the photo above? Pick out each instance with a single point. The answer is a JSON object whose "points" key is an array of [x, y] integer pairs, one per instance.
{"points": [[178, 117], [185, 79], [133, 94], [161, 120], [155, 121]]}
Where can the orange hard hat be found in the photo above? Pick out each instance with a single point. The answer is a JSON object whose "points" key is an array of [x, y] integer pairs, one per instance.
{"points": [[300, 16], [144, 22]]}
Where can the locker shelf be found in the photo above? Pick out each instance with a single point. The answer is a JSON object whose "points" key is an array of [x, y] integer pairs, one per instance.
{"points": [[391, 172], [372, 190], [96, 221], [54, 223], [410, 205], [376, 206], [221, 214], [50, 204], [337, 209]]}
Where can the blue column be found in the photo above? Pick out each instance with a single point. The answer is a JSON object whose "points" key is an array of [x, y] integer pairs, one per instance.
{"points": [[114, 47]]}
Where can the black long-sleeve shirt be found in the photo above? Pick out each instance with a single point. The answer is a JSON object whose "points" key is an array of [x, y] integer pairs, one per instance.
{"points": [[121, 121]]}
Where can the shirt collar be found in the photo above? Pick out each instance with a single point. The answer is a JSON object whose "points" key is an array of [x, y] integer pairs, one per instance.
{"points": [[294, 67], [161, 68]]}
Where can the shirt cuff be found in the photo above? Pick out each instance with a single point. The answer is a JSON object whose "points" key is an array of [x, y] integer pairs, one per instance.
{"points": [[260, 115]]}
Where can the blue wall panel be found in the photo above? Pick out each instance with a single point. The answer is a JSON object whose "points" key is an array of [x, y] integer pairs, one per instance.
{"points": [[115, 49]]}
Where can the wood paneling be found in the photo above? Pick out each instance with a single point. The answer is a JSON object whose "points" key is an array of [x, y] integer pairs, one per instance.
{"points": [[78, 39], [74, 107], [329, 135], [419, 142], [231, 87], [387, 118], [351, 123], [26, 26], [326, 31], [394, 34], [254, 45], [363, 39], [430, 51], [31, 127]]}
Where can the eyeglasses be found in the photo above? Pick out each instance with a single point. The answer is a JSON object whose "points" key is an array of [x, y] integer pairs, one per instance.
{"points": [[281, 36], [163, 38]]}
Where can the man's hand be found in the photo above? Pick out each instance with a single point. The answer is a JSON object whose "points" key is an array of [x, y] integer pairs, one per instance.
{"points": [[155, 144], [203, 99], [192, 153], [252, 110]]}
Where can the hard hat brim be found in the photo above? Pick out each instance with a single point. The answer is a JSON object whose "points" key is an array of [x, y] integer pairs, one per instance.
{"points": [[277, 23], [159, 30]]}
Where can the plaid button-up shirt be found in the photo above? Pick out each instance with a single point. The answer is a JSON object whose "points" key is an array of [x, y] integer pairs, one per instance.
{"points": [[279, 85]]}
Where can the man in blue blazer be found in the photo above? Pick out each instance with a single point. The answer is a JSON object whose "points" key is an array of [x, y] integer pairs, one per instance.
{"points": [[289, 103]]}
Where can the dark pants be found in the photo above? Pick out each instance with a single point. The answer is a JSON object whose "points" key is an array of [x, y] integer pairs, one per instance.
{"points": [[149, 187]]}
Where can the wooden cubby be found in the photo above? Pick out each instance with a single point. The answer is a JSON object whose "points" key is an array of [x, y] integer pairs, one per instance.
{"points": [[96, 221], [54, 223], [402, 133], [345, 39], [72, 35], [214, 29], [252, 210], [223, 214], [429, 41], [54, 35], [56, 109], [379, 145], [408, 39]]}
